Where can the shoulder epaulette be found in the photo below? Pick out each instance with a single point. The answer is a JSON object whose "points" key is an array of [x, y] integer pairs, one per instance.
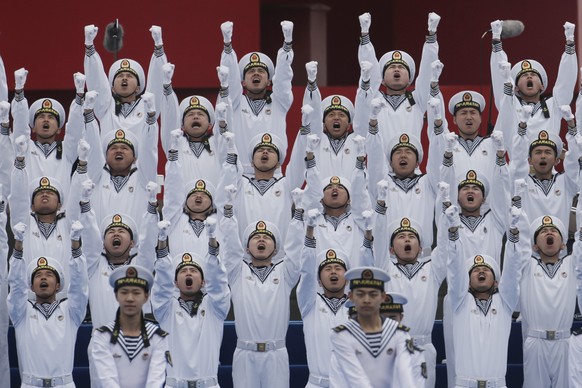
{"points": [[403, 328], [104, 329], [577, 331], [162, 333], [339, 328]]}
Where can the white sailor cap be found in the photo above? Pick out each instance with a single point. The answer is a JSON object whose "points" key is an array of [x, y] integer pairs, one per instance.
{"points": [[482, 261], [199, 185], [120, 220], [197, 102], [130, 66], [45, 262], [120, 136], [185, 259], [530, 65], [46, 105], [406, 140], [131, 275], [337, 180], [393, 303], [266, 140], [545, 138], [405, 225], [367, 277], [338, 102], [256, 59], [472, 178], [466, 99], [268, 228], [331, 256], [548, 222], [46, 183], [398, 56]]}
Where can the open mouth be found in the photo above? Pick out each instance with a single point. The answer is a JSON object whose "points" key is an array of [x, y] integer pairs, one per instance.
{"points": [[45, 126], [116, 242], [261, 247], [124, 83], [482, 277], [529, 84], [334, 194], [189, 282], [334, 278], [403, 162], [550, 240], [407, 248], [265, 158], [43, 285], [118, 157], [470, 198], [397, 75], [336, 125]]}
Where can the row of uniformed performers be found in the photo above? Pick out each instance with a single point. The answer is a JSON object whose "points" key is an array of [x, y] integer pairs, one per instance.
{"points": [[234, 227]]}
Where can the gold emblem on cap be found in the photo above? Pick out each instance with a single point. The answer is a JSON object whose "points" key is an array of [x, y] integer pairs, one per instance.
{"points": [[478, 259], [367, 274], [194, 101], [267, 138], [397, 55], [467, 97], [200, 184], [47, 104], [125, 64], [525, 65], [41, 262], [186, 258], [472, 175], [116, 219], [44, 181], [405, 223], [404, 138], [547, 220], [254, 57], [131, 272], [334, 180], [543, 135], [261, 225], [336, 100], [330, 254], [120, 134]]}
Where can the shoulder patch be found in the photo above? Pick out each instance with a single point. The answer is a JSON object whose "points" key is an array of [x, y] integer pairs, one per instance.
{"points": [[162, 333], [103, 329], [410, 345], [169, 358], [403, 328], [339, 328], [577, 331]]}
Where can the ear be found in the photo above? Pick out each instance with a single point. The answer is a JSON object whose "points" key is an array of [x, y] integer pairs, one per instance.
{"points": [[392, 250], [455, 119], [535, 248], [175, 284], [529, 160], [58, 131], [131, 244]]}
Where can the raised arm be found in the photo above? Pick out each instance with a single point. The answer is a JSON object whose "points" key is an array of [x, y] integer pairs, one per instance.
{"points": [[457, 276], [163, 288], [568, 69], [155, 78], [307, 288], [18, 295], [282, 88], [96, 77], [228, 58], [147, 161], [78, 290], [216, 278]]}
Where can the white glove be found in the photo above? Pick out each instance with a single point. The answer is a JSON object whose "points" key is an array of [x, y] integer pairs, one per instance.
{"points": [[496, 28], [365, 68], [497, 138], [87, 190], [523, 113], [435, 108], [453, 218], [149, 101], [436, 69], [90, 99], [306, 111], [297, 195], [505, 70], [444, 192], [312, 217], [382, 190], [230, 144], [312, 143], [230, 191], [223, 73], [175, 136], [79, 80], [566, 112], [21, 146], [210, 226], [168, 72], [376, 106], [226, 29], [163, 227], [569, 31], [360, 144], [433, 22], [365, 22], [157, 35], [450, 141], [311, 68], [18, 230], [515, 216], [4, 111], [287, 28], [368, 219], [220, 112], [519, 187], [76, 229], [152, 189], [90, 34], [83, 148], [20, 78]]}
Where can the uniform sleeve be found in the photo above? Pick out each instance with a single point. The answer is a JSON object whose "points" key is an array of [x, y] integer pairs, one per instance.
{"points": [[312, 97], [438, 255], [96, 157], [78, 290], [282, 88], [314, 189], [3, 83], [155, 84], [457, 277], [497, 55], [567, 76], [404, 363], [381, 238], [147, 160], [19, 197], [18, 295], [520, 165], [173, 190], [157, 368], [6, 160], [19, 109], [349, 364], [307, 288], [499, 197], [577, 253], [233, 249], [148, 233], [73, 130], [359, 195], [230, 174], [366, 254], [103, 363], [430, 53], [97, 80], [163, 288], [170, 116], [3, 244], [229, 59], [217, 283], [507, 121], [92, 241], [377, 160], [367, 52], [517, 251], [293, 252]]}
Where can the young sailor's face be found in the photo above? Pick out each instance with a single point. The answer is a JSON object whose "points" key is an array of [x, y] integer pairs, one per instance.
{"points": [[125, 84], [336, 123], [131, 300]]}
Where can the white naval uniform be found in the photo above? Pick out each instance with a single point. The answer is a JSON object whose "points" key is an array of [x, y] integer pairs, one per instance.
{"points": [[46, 347], [113, 367], [575, 343], [105, 105], [406, 117], [181, 236], [132, 197], [261, 308], [317, 313], [4, 318], [481, 340], [353, 364], [194, 340], [271, 117], [420, 286], [38, 164], [547, 308], [561, 95]]}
